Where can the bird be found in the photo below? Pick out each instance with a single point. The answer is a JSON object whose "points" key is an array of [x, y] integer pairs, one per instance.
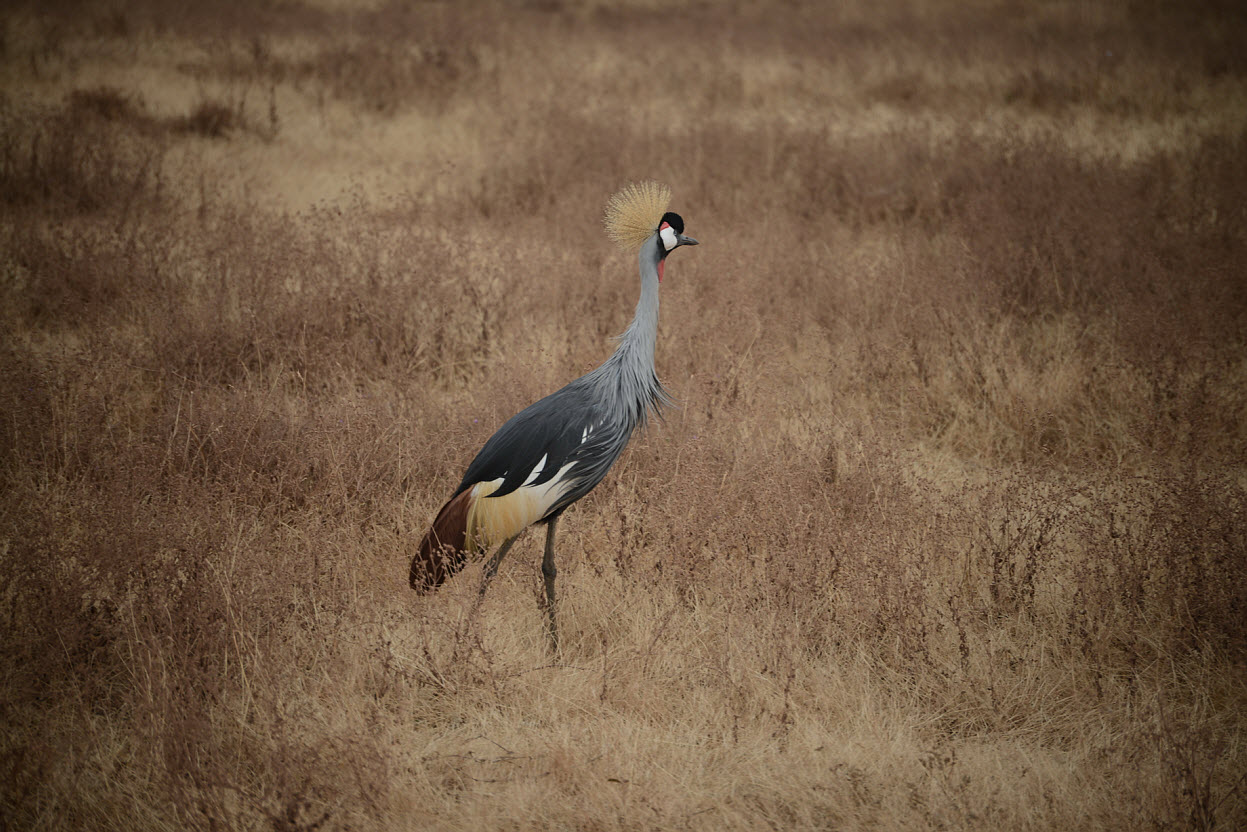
{"points": [[555, 451]]}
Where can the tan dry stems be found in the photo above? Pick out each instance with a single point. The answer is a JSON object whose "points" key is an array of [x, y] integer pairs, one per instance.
{"points": [[947, 532]]}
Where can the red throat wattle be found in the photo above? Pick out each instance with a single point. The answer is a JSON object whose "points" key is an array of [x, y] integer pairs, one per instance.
{"points": [[663, 261]]}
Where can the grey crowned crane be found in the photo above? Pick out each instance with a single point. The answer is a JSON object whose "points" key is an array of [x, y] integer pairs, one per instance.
{"points": [[554, 452]]}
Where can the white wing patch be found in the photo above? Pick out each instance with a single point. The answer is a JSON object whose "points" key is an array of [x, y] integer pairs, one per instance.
{"points": [[536, 471], [491, 520], [488, 486]]}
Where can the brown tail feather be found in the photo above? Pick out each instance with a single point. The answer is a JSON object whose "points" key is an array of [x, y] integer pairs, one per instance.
{"points": [[441, 551]]}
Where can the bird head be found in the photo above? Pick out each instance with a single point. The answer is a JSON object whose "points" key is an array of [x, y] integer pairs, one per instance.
{"points": [[671, 231], [639, 212]]}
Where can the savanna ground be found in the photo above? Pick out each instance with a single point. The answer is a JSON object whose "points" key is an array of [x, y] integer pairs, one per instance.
{"points": [[948, 531]]}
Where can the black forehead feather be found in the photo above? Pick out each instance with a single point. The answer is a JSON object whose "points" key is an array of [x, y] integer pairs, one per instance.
{"points": [[674, 220]]}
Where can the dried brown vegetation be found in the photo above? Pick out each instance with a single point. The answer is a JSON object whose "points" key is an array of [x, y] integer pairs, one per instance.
{"points": [[948, 532]]}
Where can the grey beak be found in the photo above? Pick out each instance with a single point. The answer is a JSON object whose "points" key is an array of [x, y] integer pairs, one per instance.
{"points": [[686, 241]]}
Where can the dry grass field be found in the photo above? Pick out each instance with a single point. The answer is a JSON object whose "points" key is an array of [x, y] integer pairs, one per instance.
{"points": [[949, 530]]}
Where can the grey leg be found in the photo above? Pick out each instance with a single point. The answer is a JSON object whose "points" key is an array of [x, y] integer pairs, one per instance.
{"points": [[491, 569], [548, 571]]}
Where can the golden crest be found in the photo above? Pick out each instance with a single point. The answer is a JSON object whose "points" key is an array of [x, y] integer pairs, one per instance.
{"points": [[632, 215]]}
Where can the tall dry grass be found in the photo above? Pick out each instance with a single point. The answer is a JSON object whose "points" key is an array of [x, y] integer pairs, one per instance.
{"points": [[947, 532]]}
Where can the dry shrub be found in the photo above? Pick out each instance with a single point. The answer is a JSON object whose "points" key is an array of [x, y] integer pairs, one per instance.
{"points": [[108, 103], [81, 160], [212, 119]]}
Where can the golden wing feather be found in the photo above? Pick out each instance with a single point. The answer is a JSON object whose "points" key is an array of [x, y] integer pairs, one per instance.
{"points": [[632, 215]]}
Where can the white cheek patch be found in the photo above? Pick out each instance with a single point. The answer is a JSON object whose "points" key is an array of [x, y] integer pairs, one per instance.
{"points": [[668, 237]]}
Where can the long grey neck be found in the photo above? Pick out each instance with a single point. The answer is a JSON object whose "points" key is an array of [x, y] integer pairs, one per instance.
{"points": [[627, 381]]}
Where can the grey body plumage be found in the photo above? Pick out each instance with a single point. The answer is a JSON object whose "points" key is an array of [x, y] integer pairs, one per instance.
{"points": [[588, 422], [555, 451]]}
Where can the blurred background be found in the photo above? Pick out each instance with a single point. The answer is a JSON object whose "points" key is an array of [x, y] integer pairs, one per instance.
{"points": [[947, 530]]}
